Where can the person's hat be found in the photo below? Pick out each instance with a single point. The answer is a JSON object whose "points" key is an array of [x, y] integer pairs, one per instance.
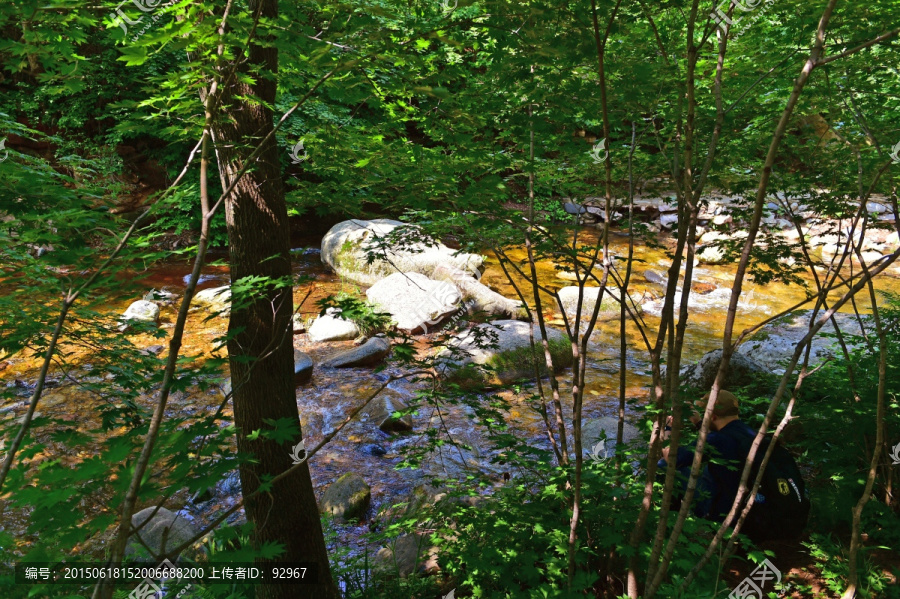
{"points": [[726, 404]]}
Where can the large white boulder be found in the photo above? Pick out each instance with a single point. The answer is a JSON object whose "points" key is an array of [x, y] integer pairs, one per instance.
{"points": [[346, 245], [414, 301]]}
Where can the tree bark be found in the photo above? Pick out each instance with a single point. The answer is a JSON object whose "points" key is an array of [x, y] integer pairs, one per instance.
{"points": [[259, 347]]}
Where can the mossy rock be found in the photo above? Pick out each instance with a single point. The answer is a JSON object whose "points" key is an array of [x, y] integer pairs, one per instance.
{"points": [[347, 498], [470, 364], [345, 250]]}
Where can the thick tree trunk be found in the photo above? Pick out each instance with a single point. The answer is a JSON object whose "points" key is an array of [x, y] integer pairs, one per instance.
{"points": [[260, 344]]}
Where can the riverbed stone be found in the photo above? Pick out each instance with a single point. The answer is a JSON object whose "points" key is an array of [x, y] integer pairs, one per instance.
{"points": [[372, 449], [669, 220], [709, 251], [347, 498], [774, 344], [303, 368], [407, 554], [214, 299], [372, 352], [509, 361], [141, 311], [380, 412], [742, 371], [598, 435], [331, 326], [345, 248], [657, 278], [175, 528], [415, 302], [479, 297], [609, 306]]}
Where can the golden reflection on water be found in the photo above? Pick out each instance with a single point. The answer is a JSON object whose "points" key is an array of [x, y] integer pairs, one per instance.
{"points": [[330, 395]]}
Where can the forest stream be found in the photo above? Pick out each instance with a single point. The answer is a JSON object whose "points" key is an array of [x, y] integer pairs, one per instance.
{"points": [[325, 401]]}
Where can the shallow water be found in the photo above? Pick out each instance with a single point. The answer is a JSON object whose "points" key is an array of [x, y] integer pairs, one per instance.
{"points": [[325, 401]]}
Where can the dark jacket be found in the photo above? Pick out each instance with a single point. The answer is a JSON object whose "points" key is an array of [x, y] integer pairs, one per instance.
{"points": [[721, 474]]}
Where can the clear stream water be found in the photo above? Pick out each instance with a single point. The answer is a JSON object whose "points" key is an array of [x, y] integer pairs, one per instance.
{"points": [[324, 402]]}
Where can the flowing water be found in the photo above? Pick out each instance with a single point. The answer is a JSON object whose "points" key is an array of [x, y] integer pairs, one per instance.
{"points": [[325, 401]]}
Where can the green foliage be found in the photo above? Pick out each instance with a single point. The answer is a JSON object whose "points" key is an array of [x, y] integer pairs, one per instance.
{"points": [[453, 117], [361, 312], [831, 563]]}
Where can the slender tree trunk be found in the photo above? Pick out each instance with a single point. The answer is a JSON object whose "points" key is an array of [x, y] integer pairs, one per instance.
{"points": [[259, 347]]}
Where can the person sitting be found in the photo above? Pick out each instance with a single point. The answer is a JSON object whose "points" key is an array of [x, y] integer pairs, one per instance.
{"points": [[720, 477], [781, 506]]}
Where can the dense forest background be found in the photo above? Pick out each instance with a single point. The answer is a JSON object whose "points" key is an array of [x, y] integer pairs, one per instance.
{"points": [[668, 198]]}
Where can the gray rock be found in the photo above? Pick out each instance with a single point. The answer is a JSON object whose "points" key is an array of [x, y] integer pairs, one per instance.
{"points": [[742, 370], [722, 219], [380, 412], [479, 298], [708, 252], [347, 498], [456, 461], [303, 368], [669, 220], [369, 353], [311, 423], [344, 250], [373, 449], [656, 278], [215, 299], [174, 528], [415, 302], [609, 306], [141, 311], [332, 327], [405, 555], [422, 497], [598, 435], [509, 361], [572, 208], [774, 344]]}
